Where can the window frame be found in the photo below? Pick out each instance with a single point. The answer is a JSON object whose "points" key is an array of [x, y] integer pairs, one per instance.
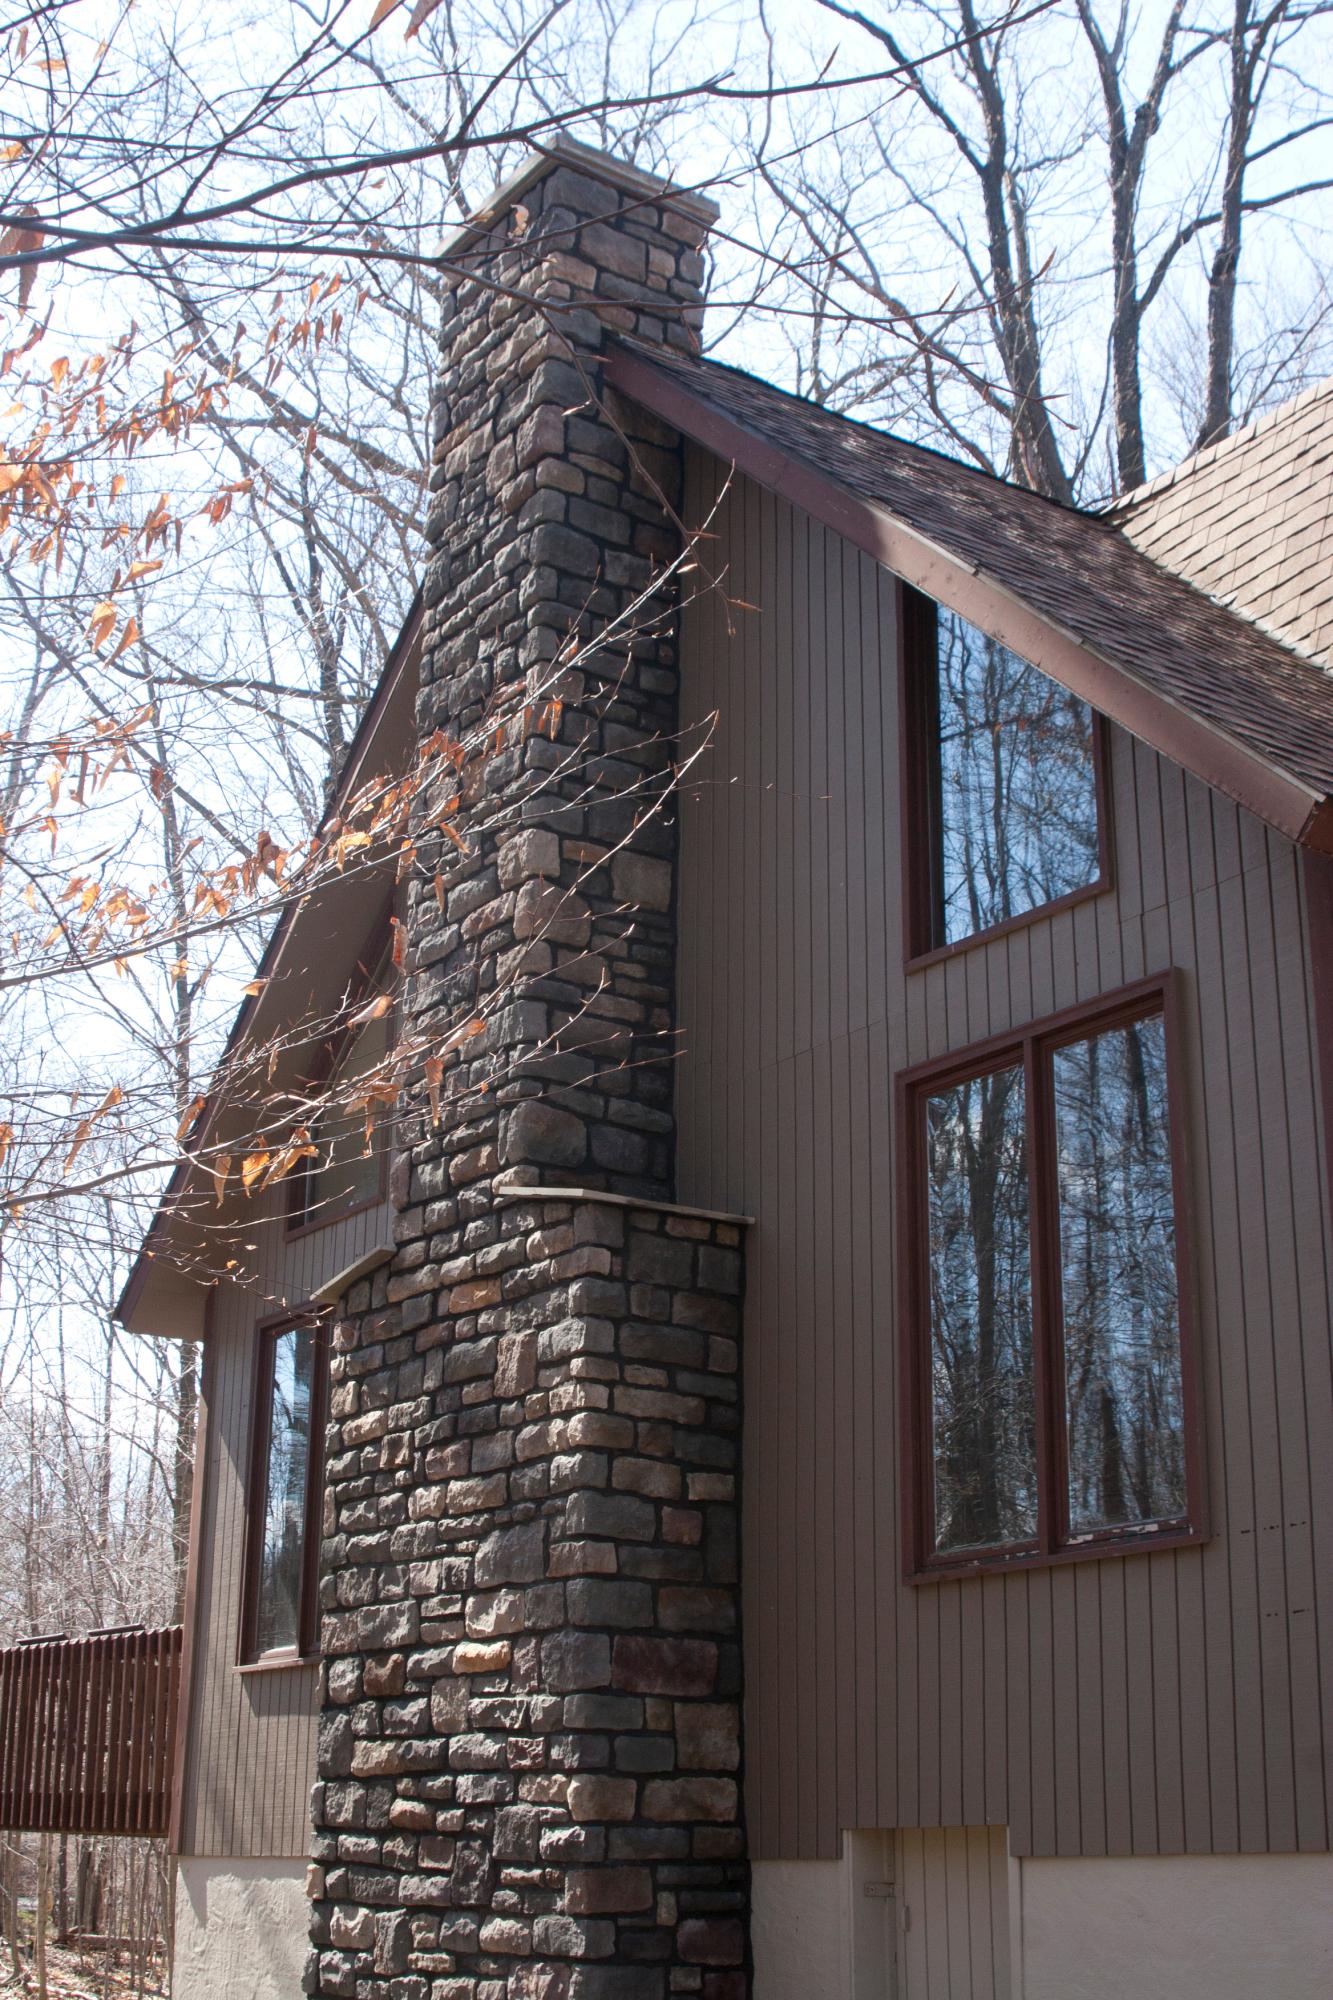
{"points": [[305, 1652], [371, 961], [1031, 1045], [919, 796]]}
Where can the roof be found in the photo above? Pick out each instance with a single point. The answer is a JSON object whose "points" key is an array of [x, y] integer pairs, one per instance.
{"points": [[1209, 687], [1192, 613], [1250, 521], [380, 737]]}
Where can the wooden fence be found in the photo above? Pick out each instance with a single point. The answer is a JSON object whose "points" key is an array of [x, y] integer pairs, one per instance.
{"points": [[88, 1732]]}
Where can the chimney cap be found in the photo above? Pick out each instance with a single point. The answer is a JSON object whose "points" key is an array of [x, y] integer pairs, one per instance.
{"points": [[597, 165]]}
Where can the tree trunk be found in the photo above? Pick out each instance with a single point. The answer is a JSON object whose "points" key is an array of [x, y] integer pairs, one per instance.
{"points": [[1225, 267]]}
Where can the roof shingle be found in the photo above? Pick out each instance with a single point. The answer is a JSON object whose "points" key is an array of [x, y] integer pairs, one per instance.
{"points": [[1250, 521]]}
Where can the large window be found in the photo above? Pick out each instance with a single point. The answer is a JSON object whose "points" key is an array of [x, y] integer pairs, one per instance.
{"points": [[1049, 1367], [1004, 799], [279, 1613]]}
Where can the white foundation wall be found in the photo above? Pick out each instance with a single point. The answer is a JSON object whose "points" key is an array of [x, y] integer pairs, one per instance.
{"points": [[1178, 1927], [948, 1914], [824, 1930], [241, 1929]]}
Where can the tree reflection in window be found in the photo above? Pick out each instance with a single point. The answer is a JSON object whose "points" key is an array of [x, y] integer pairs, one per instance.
{"points": [[1123, 1389], [283, 1548], [348, 1168], [982, 1392], [1049, 1323], [1016, 807]]}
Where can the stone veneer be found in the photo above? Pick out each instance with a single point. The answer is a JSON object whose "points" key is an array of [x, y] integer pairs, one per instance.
{"points": [[529, 1748]]}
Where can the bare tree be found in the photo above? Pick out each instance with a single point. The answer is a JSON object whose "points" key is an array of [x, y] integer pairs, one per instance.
{"points": [[960, 247]]}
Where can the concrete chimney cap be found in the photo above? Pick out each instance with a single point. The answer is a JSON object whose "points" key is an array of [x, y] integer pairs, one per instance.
{"points": [[597, 165]]}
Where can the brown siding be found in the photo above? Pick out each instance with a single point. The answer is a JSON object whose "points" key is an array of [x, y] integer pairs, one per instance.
{"points": [[1161, 1702], [250, 1747]]}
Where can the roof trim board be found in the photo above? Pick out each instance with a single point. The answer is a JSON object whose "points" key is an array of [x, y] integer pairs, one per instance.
{"points": [[1285, 802]]}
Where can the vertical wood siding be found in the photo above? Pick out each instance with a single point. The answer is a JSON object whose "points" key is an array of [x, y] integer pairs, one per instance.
{"points": [[250, 1745], [1168, 1702]]}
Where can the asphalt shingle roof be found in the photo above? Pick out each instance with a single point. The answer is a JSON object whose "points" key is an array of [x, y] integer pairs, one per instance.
{"points": [[1250, 521], [1081, 571]]}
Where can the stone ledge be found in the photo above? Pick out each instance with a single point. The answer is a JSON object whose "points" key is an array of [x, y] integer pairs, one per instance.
{"points": [[528, 1191], [333, 1288]]}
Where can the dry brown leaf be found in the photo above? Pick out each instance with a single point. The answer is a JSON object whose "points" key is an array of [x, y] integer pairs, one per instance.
{"points": [[421, 13], [434, 1072], [127, 639], [83, 1131], [460, 1035], [374, 1010], [189, 1118], [290, 1155], [102, 624]]}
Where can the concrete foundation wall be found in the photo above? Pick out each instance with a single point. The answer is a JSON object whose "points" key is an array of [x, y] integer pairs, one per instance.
{"points": [[241, 1929], [1178, 1927], [947, 1914], [825, 1928]]}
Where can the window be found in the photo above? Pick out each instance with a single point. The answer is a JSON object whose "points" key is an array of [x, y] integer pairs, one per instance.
{"points": [[346, 1170], [285, 1472], [1050, 1392], [1003, 792]]}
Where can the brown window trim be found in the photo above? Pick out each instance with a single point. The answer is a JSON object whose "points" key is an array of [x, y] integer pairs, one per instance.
{"points": [[370, 961], [918, 792], [1162, 994], [248, 1659]]}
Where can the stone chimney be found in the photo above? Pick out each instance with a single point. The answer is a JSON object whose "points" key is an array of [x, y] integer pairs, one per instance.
{"points": [[529, 1749]]}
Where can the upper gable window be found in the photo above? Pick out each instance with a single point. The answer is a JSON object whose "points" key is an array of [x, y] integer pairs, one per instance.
{"points": [[347, 1169], [1004, 800]]}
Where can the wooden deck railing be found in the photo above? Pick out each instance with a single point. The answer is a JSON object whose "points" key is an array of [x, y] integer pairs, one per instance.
{"points": [[88, 1732]]}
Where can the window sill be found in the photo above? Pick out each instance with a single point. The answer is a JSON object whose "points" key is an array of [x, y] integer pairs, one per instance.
{"points": [[922, 960], [276, 1663], [1101, 1549]]}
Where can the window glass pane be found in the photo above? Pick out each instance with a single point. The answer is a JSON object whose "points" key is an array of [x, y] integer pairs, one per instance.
{"points": [[278, 1621], [1017, 786], [347, 1172], [982, 1395], [1123, 1396]]}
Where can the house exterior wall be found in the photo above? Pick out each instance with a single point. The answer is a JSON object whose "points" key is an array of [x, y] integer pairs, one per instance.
{"points": [[1167, 1702], [249, 1747]]}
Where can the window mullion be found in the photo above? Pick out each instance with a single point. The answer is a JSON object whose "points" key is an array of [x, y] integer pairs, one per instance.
{"points": [[1044, 1248]]}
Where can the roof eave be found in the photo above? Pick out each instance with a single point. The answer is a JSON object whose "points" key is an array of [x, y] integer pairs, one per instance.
{"points": [[353, 770], [1276, 797]]}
